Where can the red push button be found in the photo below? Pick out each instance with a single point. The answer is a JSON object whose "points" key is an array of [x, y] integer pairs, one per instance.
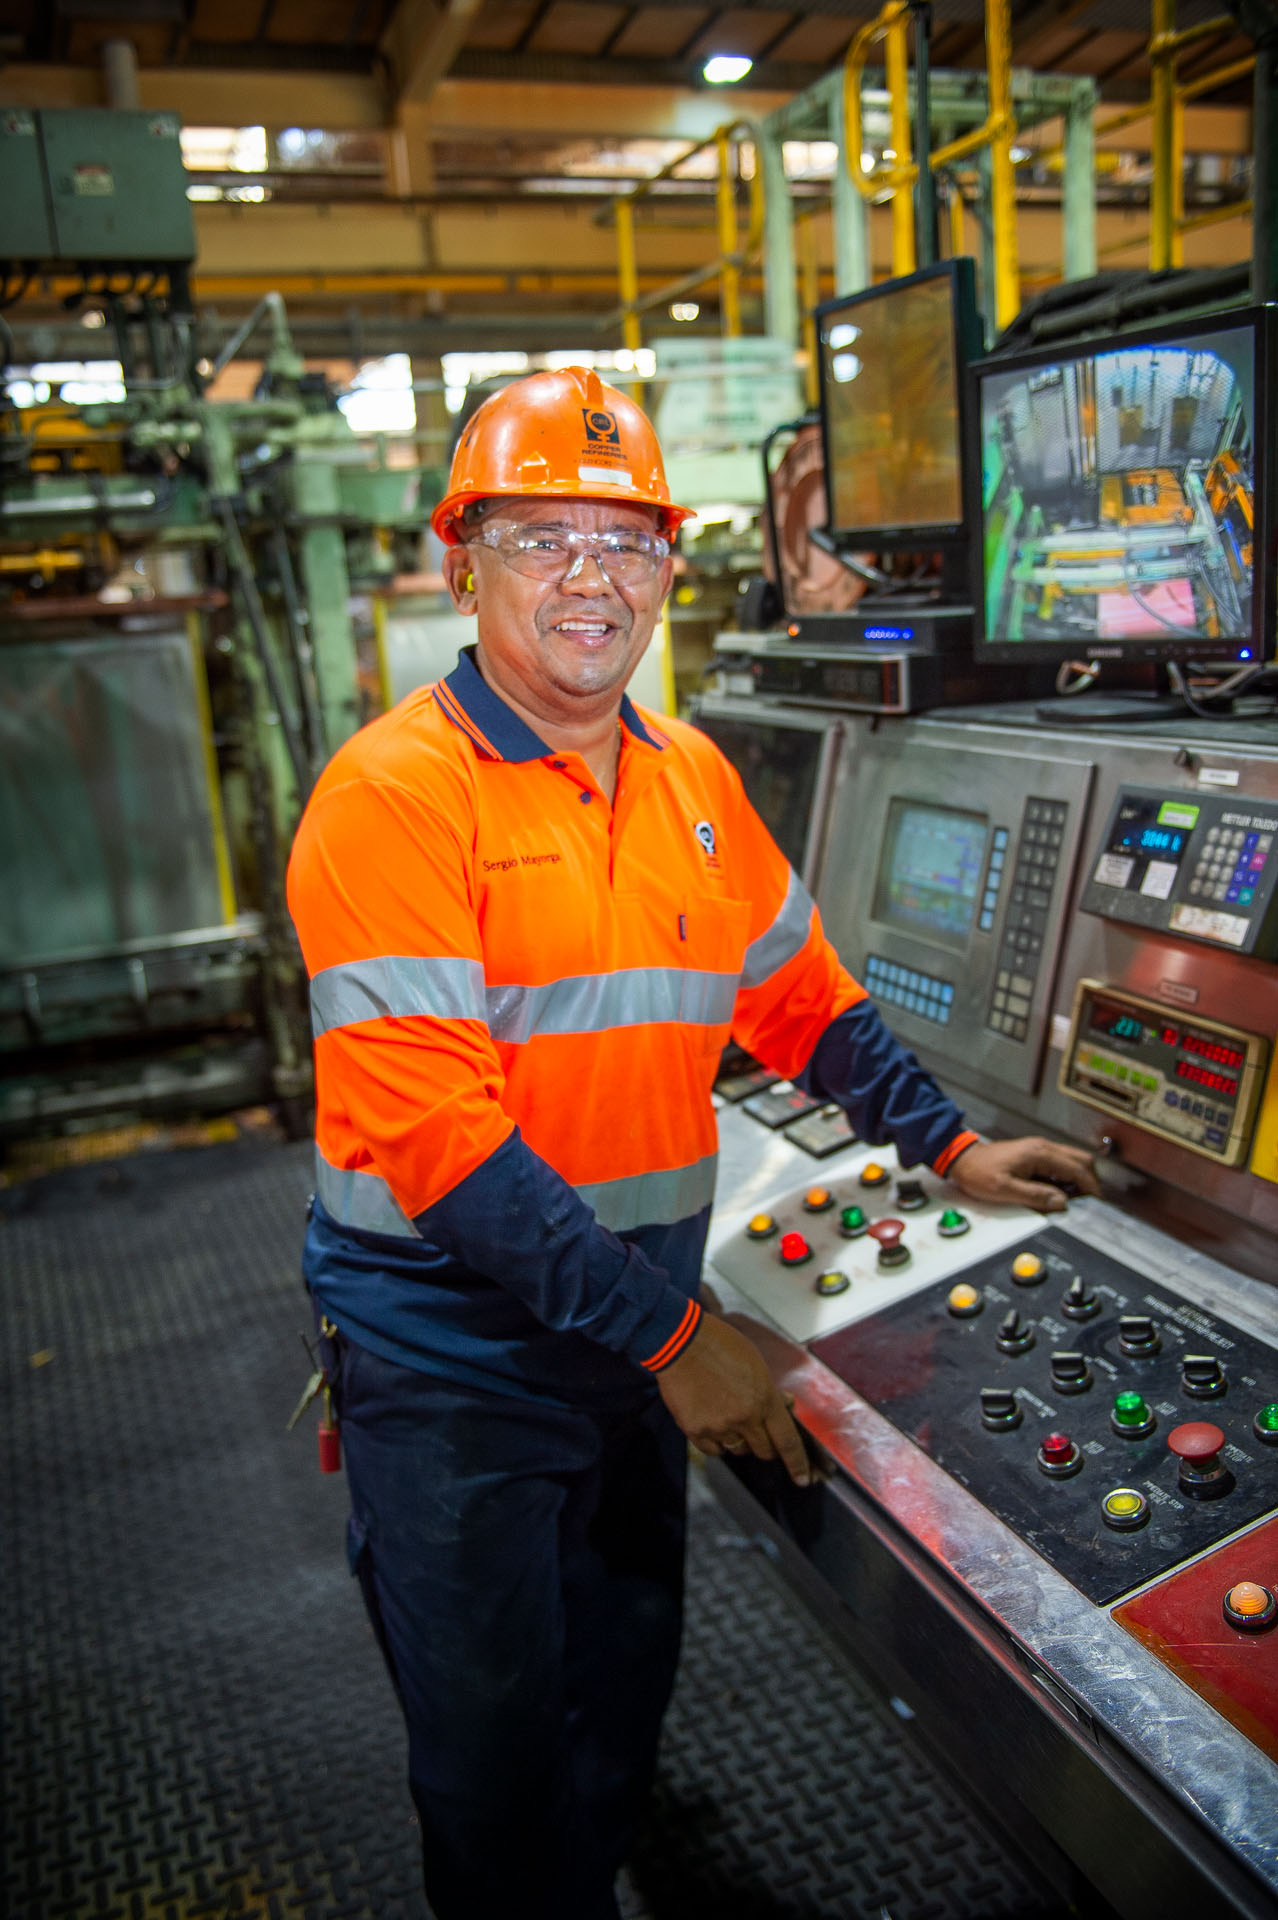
{"points": [[888, 1234], [1058, 1457], [1203, 1475], [794, 1250]]}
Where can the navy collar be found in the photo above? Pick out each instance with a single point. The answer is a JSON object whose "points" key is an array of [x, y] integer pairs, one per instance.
{"points": [[496, 729]]}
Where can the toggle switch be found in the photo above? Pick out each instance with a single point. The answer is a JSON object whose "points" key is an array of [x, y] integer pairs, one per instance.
{"points": [[1250, 1607], [888, 1234], [1202, 1376], [999, 1410], [1130, 1416], [1203, 1474], [853, 1222], [910, 1195], [1028, 1269], [794, 1250], [1137, 1335], [1070, 1373], [1014, 1334], [1080, 1302], [952, 1223], [1058, 1457]]}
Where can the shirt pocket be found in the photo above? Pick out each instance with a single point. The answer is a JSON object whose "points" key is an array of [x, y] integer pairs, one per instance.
{"points": [[715, 933]]}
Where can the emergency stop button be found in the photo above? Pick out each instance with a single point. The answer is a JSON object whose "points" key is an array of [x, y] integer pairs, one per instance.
{"points": [[1250, 1607]]}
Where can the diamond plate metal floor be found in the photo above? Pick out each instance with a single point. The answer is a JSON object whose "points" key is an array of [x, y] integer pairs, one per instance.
{"points": [[195, 1718]]}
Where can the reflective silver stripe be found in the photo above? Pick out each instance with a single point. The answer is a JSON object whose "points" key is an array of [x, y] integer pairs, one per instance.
{"points": [[652, 1199], [783, 939], [397, 987], [596, 1002], [361, 1200]]}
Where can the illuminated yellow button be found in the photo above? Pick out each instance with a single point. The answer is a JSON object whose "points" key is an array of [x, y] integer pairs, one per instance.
{"points": [[873, 1175], [1122, 1503], [964, 1299], [1247, 1598], [817, 1199], [761, 1226], [1027, 1266]]}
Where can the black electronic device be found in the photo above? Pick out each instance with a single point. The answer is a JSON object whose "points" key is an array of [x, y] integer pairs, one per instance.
{"points": [[1079, 1440], [1203, 866], [1127, 496], [1193, 1081], [893, 398], [887, 626], [881, 679], [786, 763]]}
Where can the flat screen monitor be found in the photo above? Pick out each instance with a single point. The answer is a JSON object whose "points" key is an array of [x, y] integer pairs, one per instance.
{"points": [[892, 367], [929, 873], [1124, 496], [782, 766]]}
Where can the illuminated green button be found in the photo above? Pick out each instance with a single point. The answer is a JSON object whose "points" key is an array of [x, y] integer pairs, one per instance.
{"points": [[1130, 1410], [952, 1223], [852, 1221], [1265, 1425]]}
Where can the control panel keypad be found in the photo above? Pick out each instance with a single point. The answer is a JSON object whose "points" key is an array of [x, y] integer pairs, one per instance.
{"points": [[1230, 865], [907, 987], [1025, 921]]}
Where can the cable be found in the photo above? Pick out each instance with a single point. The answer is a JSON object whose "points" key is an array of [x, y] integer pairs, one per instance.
{"points": [[1087, 672]]}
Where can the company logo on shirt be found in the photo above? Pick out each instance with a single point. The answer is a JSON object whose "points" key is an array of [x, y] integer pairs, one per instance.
{"points": [[704, 831]]}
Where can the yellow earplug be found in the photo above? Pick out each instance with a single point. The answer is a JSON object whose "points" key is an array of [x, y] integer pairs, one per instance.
{"points": [[468, 584]]}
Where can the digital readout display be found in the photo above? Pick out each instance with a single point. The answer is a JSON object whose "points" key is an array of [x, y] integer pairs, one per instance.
{"points": [[1161, 840], [1213, 1064], [930, 870]]}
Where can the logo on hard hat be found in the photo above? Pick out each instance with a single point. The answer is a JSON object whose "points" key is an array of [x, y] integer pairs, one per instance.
{"points": [[705, 834], [601, 427]]}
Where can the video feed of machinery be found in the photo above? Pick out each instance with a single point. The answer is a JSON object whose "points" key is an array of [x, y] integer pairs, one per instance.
{"points": [[1118, 491], [930, 872], [890, 371]]}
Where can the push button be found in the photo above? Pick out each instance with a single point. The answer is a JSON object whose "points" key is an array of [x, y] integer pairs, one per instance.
{"points": [[761, 1227], [831, 1283], [1265, 1425], [888, 1234], [952, 1224], [1125, 1509], [964, 1301], [1203, 1475], [1130, 1416], [1028, 1269], [853, 1222], [1058, 1457], [818, 1200], [794, 1250], [1250, 1607], [873, 1175]]}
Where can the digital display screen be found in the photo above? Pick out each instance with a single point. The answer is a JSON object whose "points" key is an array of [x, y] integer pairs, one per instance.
{"points": [[1201, 1059], [778, 767], [1118, 494], [930, 870], [891, 398]]}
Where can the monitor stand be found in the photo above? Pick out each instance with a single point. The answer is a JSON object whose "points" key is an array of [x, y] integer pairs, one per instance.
{"points": [[1132, 708]]}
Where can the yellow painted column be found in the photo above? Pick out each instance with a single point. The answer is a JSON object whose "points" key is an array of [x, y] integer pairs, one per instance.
{"points": [[904, 258], [730, 276], [1007, 261], [809, 294], [1163, 97]]}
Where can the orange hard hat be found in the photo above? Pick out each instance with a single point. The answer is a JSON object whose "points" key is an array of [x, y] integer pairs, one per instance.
{"points": [[563, 435]]}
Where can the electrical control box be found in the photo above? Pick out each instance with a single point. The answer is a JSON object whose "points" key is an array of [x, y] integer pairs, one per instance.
{"points": [[1202, 866], [94, 185], [26, 231]]}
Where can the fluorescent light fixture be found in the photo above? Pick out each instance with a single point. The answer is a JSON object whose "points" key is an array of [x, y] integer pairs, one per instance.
{"points": [[1019, 155], [684, 310], [722, 69]]}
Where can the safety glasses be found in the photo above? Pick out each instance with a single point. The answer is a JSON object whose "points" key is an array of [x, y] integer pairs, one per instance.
{"points": [[625, 557]]}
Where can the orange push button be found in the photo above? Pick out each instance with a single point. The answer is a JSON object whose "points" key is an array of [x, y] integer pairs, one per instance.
{"points": [[818, 1200], [874, 1175], [1250, 1607]]}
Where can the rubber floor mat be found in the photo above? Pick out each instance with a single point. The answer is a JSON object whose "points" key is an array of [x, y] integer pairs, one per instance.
{"points": [[196, 1721]]}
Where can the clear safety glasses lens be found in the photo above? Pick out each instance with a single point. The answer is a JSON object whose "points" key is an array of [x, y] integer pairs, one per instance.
{"points": [[554, 553]]}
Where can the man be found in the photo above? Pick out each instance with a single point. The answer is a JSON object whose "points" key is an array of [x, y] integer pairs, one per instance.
{"points": [[532, 917]]}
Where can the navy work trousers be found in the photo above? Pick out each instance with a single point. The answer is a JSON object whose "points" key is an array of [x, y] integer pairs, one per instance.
{"points": [[522, 1565]]}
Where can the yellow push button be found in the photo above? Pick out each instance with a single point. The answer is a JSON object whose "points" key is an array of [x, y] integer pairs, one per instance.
{"points": [[873, 1175], [1027, 1268], [818, 1200], [964, 1300], [761, 1227], [1124, 1509]]}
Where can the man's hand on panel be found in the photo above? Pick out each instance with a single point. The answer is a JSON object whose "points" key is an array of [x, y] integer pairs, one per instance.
{"points": [[720, 1393], [1029, 1172]]}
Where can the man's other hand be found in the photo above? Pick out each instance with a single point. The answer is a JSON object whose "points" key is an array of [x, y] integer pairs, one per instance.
{"points": [[1021, 1170], [721, 1395]]}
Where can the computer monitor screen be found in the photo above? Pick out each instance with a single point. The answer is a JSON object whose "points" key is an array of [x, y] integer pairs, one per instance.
{"points": [[892, 362], [930, 870], [1119, 496], [778, 767]]}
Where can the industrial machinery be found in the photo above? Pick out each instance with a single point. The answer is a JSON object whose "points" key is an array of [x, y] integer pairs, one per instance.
{"points": [[179, 656]]}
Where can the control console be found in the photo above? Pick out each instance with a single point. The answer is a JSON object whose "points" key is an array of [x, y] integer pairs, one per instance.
{"points": [[1202, 865], [1115, 1427]]}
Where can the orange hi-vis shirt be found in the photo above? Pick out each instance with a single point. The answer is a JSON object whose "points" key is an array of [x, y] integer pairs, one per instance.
{"points": [[520, 994]]}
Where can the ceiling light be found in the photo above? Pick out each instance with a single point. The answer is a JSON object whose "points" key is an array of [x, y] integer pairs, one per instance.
{"points": [[684, 310], [722, 69], [93, 317]]}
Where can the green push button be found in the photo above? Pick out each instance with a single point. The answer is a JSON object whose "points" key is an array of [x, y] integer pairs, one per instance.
{"points": [[952, 1223], [1265, 1425], [1131, 1416], [852, 1222]]}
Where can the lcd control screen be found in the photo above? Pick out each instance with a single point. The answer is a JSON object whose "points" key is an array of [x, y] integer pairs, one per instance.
{"points": [[890, 392], [930, 871], [1119, 495], [778, 767]]}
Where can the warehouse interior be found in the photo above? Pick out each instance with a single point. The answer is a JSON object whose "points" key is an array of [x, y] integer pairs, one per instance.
{"points": [[957, 322]]}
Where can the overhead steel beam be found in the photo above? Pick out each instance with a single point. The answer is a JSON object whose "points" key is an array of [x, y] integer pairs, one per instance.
{"points": [[421, 44], [767, 76]]}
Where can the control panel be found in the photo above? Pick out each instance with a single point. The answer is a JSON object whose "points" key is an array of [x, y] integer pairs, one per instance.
{"points": [[844, 1247], [954, 907], [1203, 866], [1194, 1081], [1115, 1427], [1213, 1624]]}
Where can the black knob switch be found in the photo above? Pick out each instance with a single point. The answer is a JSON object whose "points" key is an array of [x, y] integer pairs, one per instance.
{"points": [[1070, 1373], [1013, 1335], [999, 1411], [1080, 1302], [1137, 1335], [1202, 1376], [911, 1195]]}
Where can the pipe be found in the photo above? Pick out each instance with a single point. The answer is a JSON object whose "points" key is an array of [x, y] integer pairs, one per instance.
{"points": [[1163, 100], [897, 57], [927, 235], [270, 303], [120, 75], [726, 209], [1007, 264]]}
